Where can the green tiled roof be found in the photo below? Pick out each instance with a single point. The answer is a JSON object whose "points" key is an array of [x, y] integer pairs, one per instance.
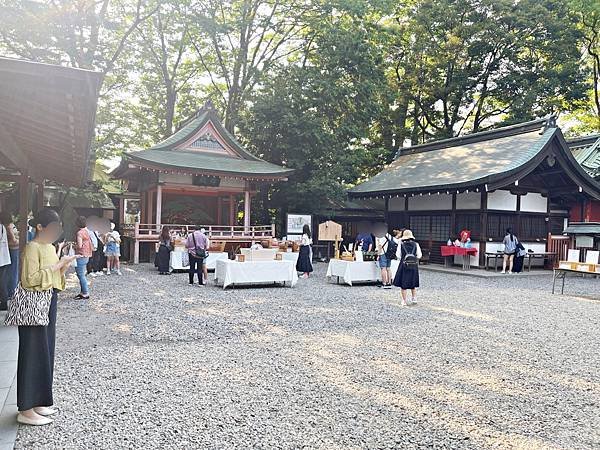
{"points": [[196, 161], [583, 228], [460, 161], [175, 153], [586, 151]]}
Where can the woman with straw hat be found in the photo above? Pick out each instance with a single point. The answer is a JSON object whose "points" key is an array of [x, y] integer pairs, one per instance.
{"points": [[407, 275]]}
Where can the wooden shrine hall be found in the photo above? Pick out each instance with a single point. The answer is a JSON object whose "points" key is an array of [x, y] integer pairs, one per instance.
{"points": [[522, 176], [47, 116], [197, 176]]}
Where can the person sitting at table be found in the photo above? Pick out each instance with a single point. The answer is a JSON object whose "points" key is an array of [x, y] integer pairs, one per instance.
{"points": [[304, 263], [165, 247], [407, 275], [510, 246]]}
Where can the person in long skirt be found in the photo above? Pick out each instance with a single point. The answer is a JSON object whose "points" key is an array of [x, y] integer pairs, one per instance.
{"points": [[42, 271], [304, 263], [165, 247], [407, 276]]}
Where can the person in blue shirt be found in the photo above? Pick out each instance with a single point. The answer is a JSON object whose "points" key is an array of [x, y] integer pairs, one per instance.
{"points": [[364, 241]]}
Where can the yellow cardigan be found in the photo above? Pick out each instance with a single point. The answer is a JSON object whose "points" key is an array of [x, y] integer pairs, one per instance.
{"points": [[36, 274]]}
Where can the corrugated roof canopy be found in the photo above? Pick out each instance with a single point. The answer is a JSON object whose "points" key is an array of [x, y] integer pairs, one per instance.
{"points": [[46, 120]]}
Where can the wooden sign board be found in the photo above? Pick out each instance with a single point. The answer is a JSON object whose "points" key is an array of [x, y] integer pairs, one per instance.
{"points": [[330, 231]]}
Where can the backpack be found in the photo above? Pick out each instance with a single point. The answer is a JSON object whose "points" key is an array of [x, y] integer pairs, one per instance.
{"points": [[410, 259], [392, 248]]}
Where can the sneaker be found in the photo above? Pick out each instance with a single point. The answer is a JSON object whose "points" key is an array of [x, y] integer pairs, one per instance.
{"points": [[119, 272], [413, 301], [387, 286], [503, 271], [108, 272], [99, 274]]}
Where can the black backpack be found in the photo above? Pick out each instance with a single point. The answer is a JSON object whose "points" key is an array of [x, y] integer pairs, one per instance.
{"points": [[392, 248], [410, 259]]}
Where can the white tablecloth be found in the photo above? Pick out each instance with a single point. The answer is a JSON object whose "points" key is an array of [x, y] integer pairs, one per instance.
{"points": [[180, 260], [291, 256], [230, 272], [352, 271]]}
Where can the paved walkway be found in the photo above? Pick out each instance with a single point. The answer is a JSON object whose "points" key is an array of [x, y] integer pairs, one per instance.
{"points": [[9, 342]]}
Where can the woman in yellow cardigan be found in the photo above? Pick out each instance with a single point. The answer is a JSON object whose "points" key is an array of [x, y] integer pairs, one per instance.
{"points": [[42, 270]]}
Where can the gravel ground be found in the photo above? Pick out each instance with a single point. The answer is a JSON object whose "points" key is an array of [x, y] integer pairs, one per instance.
{"points": [[151, 362]]}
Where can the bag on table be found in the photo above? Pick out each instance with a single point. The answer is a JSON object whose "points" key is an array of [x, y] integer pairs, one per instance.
{"points": [[28, 308]]}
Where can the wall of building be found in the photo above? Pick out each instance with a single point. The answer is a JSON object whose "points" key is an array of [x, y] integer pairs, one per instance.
{"points": [[588, 211], [534, 202], [502, 200], [468, 200]]}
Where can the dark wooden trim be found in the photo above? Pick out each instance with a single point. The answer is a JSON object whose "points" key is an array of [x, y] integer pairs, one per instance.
{"points": [[483, 235], [453, 215]]}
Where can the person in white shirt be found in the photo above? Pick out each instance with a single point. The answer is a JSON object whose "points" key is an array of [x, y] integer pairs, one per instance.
{"points": [[407, 276], [304, 263], [386, 251]]}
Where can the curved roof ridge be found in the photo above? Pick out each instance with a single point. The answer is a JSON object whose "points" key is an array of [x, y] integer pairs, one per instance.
{"points": [[510, 130]]}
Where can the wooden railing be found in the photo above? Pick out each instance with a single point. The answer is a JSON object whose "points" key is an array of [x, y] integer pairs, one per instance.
{"points": [[150, 231]]}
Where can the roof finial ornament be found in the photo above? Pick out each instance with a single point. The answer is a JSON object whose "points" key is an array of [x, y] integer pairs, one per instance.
{"points": [[550, 123], [209, 105]]}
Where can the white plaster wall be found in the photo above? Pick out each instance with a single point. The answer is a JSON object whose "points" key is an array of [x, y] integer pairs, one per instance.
{"points": [[492, 247], [396, 204], [430, 203], [534, 202], [502, 200], [471, 200]]}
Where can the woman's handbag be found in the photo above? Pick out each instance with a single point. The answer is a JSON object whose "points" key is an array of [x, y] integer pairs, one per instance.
{"points": [[199, 252], [28, 308]]}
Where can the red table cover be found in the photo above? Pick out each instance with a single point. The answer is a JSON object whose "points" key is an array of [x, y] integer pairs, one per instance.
{"points": [[451, 250]]}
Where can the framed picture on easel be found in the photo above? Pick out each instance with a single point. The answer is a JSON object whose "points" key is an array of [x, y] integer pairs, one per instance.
{"points": [[295, 223]]}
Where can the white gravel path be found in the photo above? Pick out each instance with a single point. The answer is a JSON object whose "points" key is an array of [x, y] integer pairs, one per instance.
{"points": [[153, 363]]}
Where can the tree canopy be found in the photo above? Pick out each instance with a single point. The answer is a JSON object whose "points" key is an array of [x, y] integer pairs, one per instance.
{"points": [[330, 88]]}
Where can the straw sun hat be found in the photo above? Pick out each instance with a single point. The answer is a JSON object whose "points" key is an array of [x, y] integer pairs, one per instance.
{"points": [[407, 235]]}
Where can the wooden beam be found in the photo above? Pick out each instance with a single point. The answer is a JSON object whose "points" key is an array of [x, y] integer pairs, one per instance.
{"points": [[15, 155], [247, 209], [23, 215], [158, 206], [40, 195]]}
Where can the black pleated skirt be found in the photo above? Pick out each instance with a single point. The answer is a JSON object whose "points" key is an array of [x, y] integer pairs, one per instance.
{"points": [[407, 278], [35, 364], [163, 259], [304, 264]]}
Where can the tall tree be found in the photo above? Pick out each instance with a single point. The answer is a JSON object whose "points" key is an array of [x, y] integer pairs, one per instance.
{"points": [[468, 65], [238, 41]]}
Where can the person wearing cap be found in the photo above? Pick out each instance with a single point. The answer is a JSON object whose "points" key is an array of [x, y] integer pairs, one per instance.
{"points": [[407, 276]]}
